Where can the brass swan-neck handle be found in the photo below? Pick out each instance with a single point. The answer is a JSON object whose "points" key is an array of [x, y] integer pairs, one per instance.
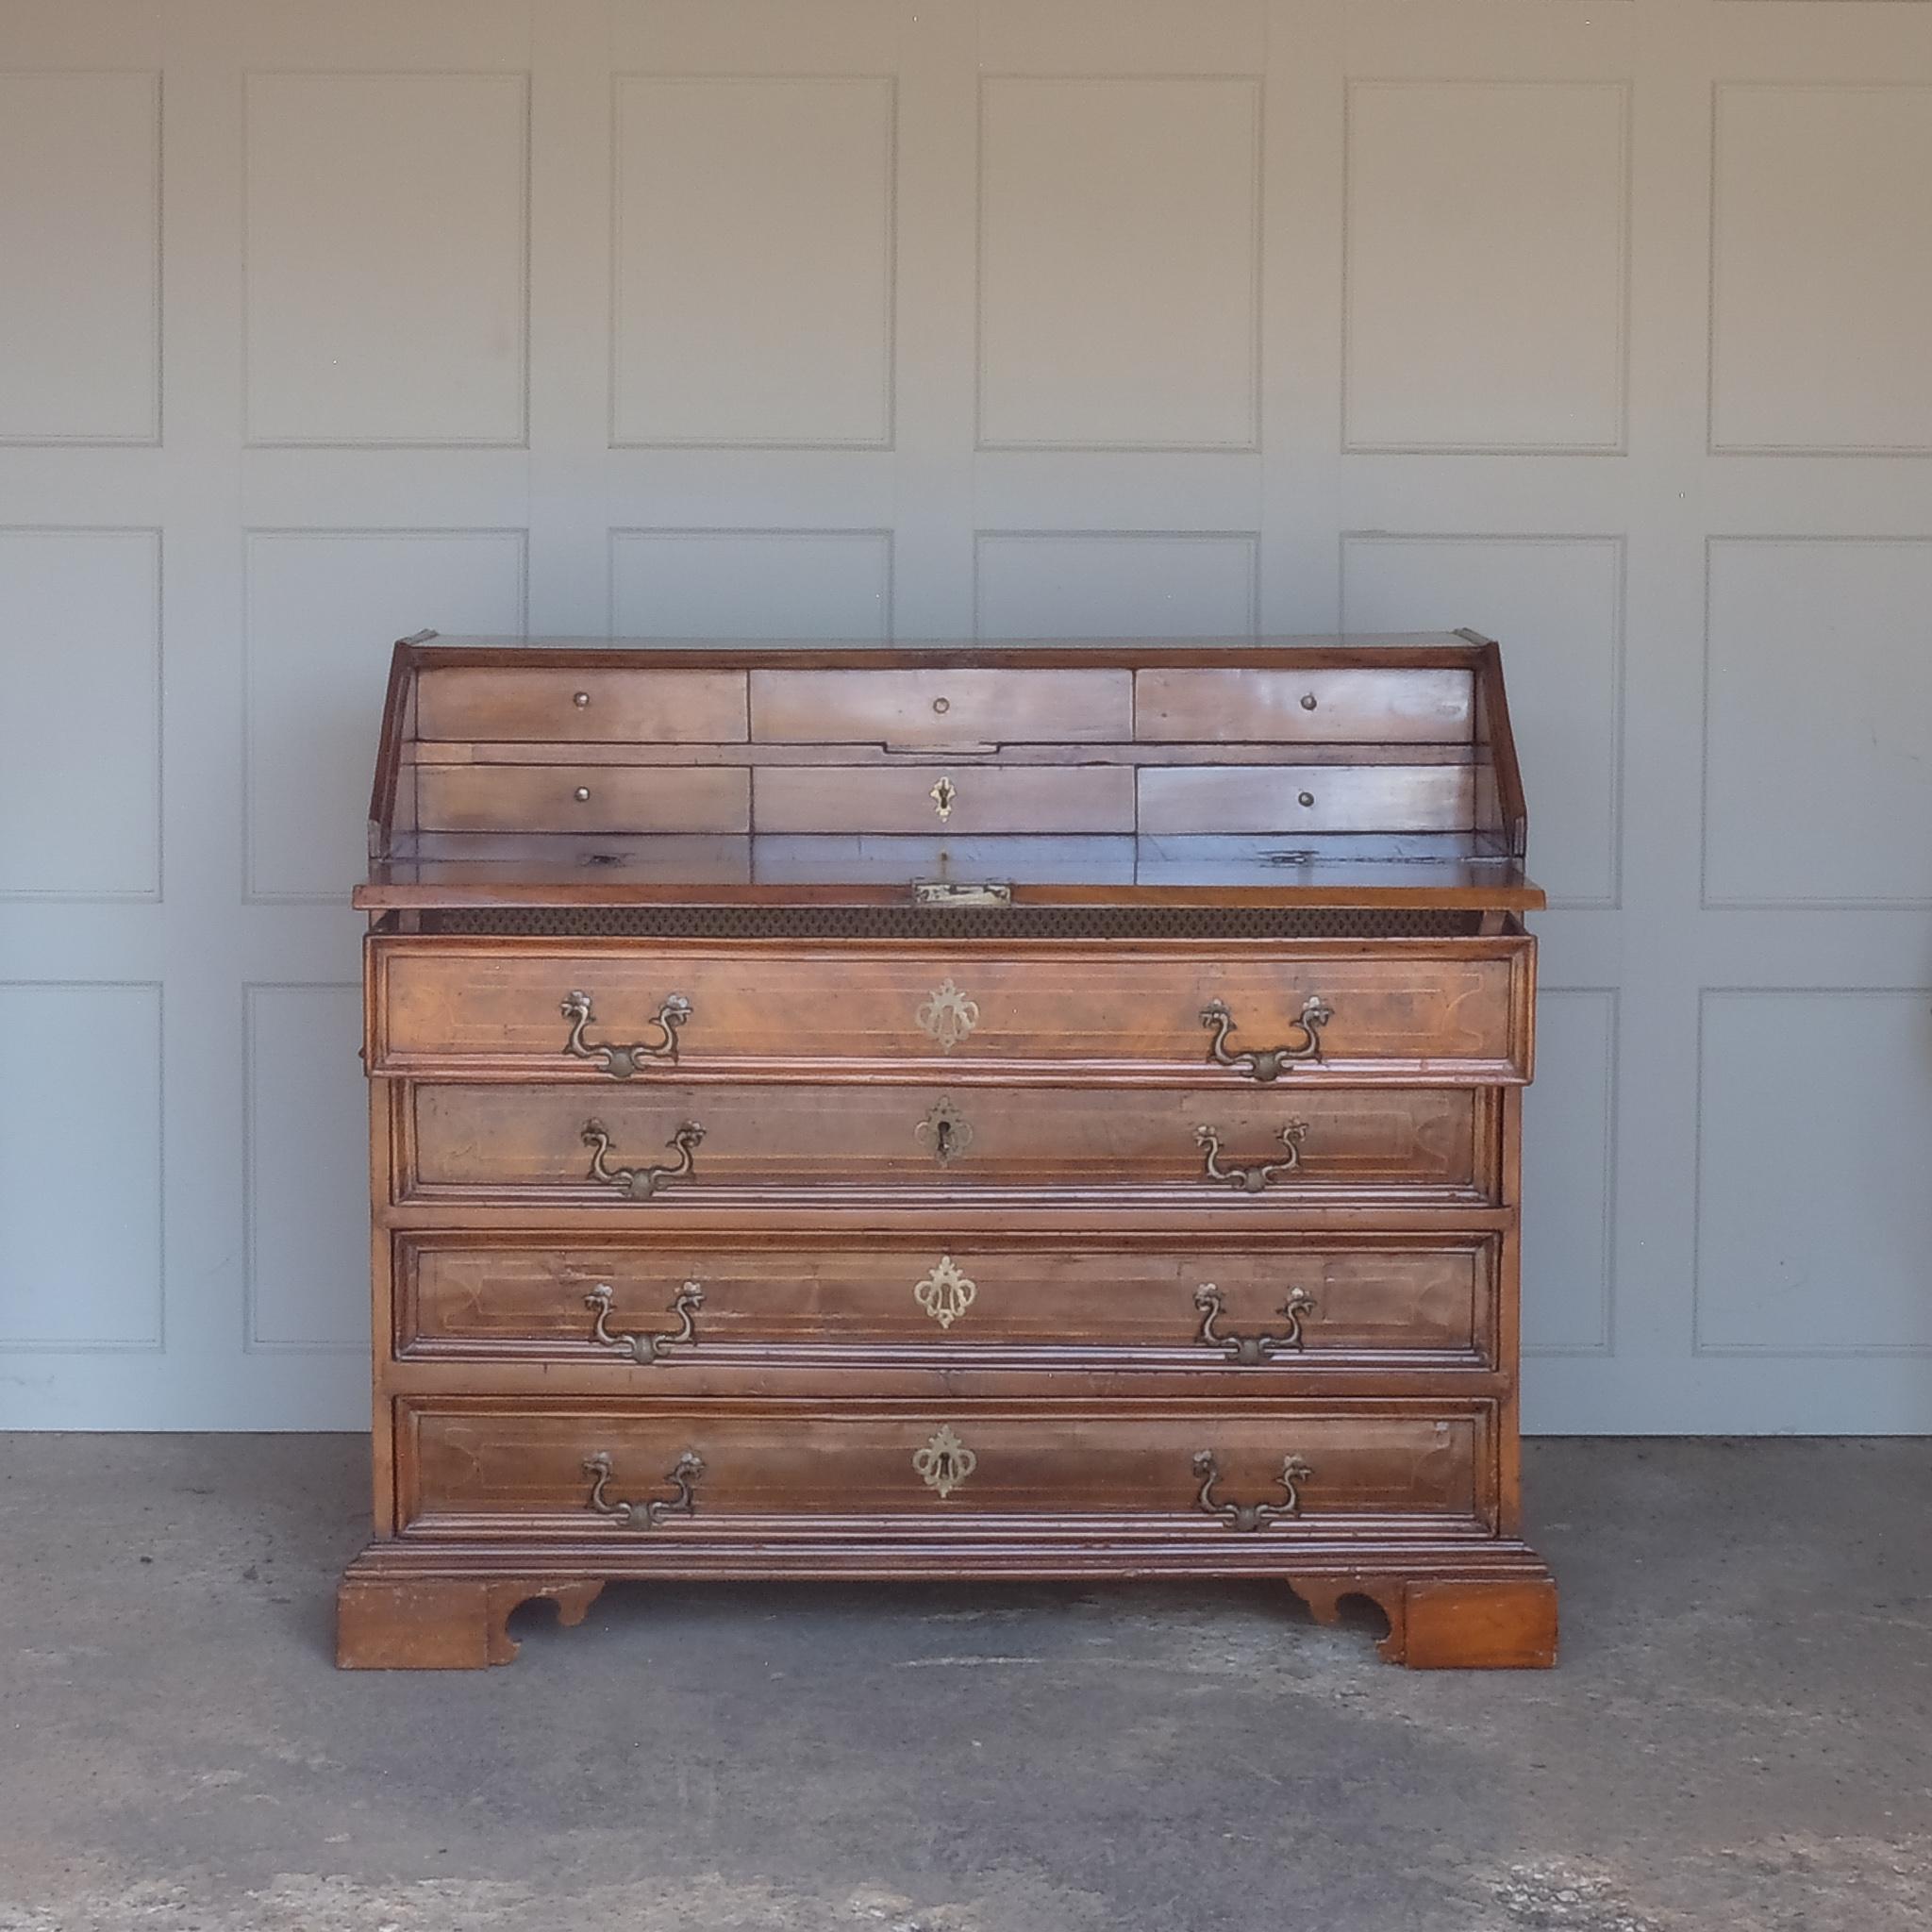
{"points": [[621, 1063], [1251, 1180], [1251, 1516], [640, 1183], [1267, 1063], [649, 1346], [1249, 1351], [682, 1477]]}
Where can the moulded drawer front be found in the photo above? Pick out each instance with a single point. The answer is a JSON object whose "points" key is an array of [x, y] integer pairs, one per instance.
{"points": [[583, 798], [542, 1141], [471, 1464], [1209, 1305], [1228, 704], [537, 705], [942, 708], [1452, 1009], [964, 800]]}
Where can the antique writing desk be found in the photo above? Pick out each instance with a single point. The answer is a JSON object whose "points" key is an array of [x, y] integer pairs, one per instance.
{"points": [[1044, 1111]]}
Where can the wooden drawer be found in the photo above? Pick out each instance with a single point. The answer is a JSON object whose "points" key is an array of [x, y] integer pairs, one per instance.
{"points": [[1398, 1009], [537, 703], [1231, 799], [982, 799], [541, 1142], [583, 798], [470, 1465], [1211, 705], [942, 708], [1301, 1304]]}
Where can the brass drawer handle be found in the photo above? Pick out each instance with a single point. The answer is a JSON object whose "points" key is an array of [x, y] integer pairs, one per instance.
{"points": [[1268, 1063], [640, 1183], [651, 1346], [683, 1478], [1251, 1180], [1247, 1516], [1251, 1350], [621, 1063]]}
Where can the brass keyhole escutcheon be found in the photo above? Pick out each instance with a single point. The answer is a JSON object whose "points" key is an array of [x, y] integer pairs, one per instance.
{"points": [[945, 1133], [946, 1291], [946, 1462], [942, 795], [948, 1016]]}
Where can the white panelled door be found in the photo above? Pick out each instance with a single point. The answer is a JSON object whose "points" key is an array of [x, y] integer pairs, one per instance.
{"points": [[1601, 328]]}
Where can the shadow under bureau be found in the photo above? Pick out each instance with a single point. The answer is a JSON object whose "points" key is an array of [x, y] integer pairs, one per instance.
{"points": [[1034, 1111]]}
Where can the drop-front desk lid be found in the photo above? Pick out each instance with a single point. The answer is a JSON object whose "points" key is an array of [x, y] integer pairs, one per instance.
{"points": [[573, 771]]}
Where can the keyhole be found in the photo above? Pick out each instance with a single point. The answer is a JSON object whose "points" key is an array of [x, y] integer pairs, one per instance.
{"points": [[942, 795], [942, 1139]]}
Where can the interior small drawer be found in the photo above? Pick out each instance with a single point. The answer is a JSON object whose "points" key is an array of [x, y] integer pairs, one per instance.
{"points": [[671, 1472], [583, 798], [640, 1146], [941, 707], [1201, 799], [965, 800], [1216, 704], [611, 703]]}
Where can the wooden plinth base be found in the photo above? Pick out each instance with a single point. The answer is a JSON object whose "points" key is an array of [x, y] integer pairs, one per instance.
{"points": [[1451, 1624], [423, 1607], [443, 1623]]}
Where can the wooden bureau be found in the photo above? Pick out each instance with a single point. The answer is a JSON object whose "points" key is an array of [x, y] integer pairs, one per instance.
{"points": [[1033, 1111]]}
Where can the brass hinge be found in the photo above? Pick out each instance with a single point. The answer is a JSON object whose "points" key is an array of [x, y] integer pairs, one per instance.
{"points": [[948, 892]]}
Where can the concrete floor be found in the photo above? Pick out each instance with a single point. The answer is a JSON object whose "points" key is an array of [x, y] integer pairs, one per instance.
{"points": [[1740, 1735]]}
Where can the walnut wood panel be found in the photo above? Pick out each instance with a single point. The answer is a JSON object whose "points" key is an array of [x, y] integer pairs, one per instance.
{"points": [[528, 1141], [1379, 706], [945, 1302], [1306, 798], [950, 704], [1440, 1009], [604, 704], [476, 1464], [582, 798], [944, 799]]}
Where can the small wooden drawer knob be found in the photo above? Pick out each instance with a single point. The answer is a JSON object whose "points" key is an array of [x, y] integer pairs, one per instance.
{"points": [[1307, 797], [1307, 701], [941, 707]]}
